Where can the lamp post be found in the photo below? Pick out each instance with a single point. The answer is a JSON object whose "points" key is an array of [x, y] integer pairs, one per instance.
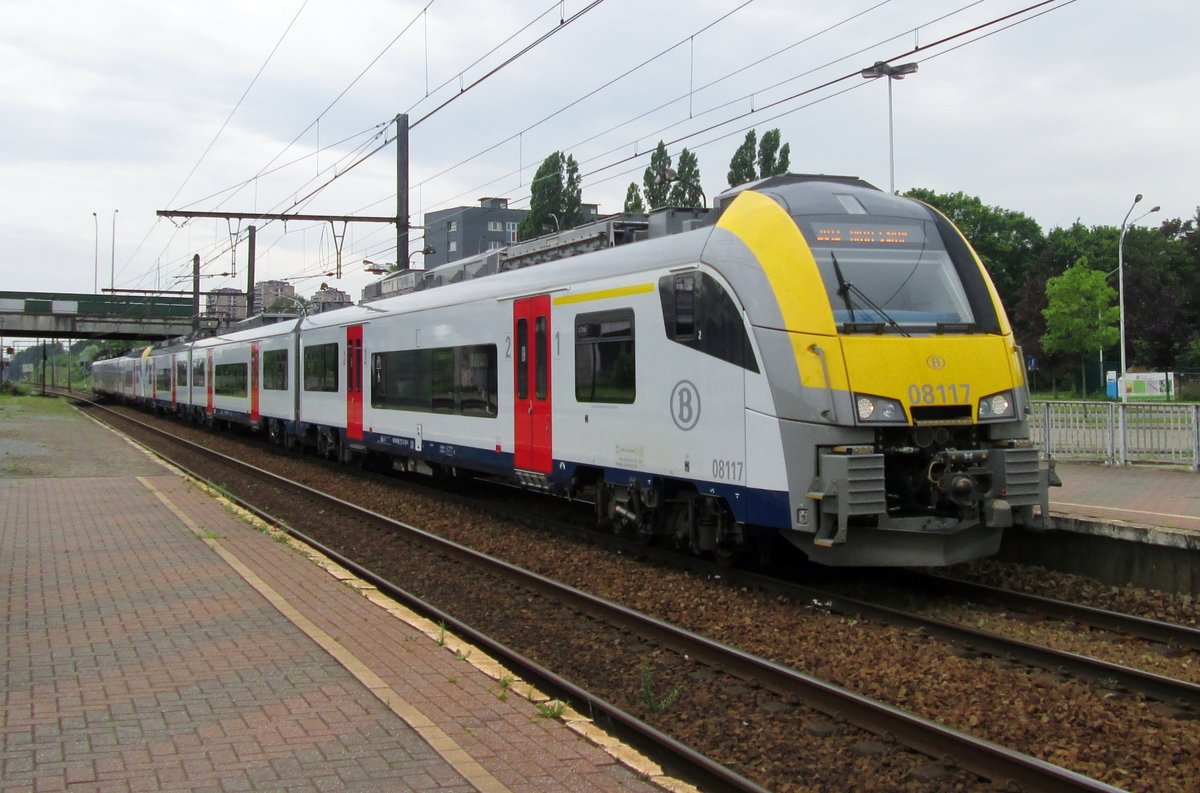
{"points": [[96, 257], [1125, 224], [884, 69], [112, 273], [669, 175]]}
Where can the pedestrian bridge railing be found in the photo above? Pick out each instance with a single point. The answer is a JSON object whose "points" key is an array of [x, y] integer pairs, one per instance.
{"points": [[1118, 433]]}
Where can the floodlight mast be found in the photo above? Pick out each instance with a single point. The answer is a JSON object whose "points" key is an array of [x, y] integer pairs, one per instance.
{"points": [[884, 69]]}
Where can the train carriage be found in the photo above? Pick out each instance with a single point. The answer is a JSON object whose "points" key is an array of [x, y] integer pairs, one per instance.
{"points": [[821, 362]]}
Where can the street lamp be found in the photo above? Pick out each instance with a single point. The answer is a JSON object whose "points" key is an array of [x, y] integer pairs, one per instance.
{"points": [[96, 257], [884, 69], [112, 273], [669, 175], [1121, 283]]}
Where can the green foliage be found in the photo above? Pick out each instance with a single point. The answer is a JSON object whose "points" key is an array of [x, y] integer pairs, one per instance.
{"points": [[551, 709], [741, 166], [772, 160], [1080, 315], [572, 214], [756, 159], [1009, 243], [633, 199], [651, 702], [654, 179], [686, 192], [548, 197]]}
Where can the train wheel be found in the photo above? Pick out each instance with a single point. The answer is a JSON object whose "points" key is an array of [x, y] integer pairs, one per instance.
{"points": [[680, 530]]}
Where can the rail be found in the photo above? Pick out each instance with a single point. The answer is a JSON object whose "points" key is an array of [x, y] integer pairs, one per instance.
{"points": [[1118, 433]]}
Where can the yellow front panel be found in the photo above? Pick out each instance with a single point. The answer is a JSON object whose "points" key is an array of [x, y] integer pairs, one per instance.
{"points": [[929, 370], [771, 234]]}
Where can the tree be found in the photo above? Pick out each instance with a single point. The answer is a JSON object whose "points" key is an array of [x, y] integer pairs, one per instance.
{"points": [[572, 214], [773, 160], [686, 191], [741, 167], [654, 180], [1160, 285], [756, 159], [633, 199], [289, 305], [1008, 242], [547, 198], [1080, 315]]}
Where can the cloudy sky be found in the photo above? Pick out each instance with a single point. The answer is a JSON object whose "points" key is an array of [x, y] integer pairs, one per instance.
{"points": [[125, 107]]}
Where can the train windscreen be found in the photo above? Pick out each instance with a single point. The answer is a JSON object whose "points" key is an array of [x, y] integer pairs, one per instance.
{"points": [[888, 275]]}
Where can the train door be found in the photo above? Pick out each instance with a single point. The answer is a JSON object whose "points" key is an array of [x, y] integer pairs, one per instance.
{"points": [[208, 382], [254, 380], [174, 384], [531, 384], [354, 382]]}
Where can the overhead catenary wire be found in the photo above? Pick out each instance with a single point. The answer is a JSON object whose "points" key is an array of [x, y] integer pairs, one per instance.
{"points": [[562, 24], [757, 112], [824, 85], [731, 102]]}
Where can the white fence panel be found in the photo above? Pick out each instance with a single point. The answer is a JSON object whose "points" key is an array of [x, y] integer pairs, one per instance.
{"points": [[1118, 433]]}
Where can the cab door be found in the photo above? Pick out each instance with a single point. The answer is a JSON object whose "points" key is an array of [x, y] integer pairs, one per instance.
{"points": [[531, 384], [354, 382]]}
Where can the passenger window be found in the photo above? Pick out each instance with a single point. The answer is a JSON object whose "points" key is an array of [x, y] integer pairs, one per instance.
{"points": [[605, 357]]}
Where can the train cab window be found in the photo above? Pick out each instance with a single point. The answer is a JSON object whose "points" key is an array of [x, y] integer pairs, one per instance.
{"points": [[181, 373], [275, 370], [699, 313], [321, 367], [605, 357]]}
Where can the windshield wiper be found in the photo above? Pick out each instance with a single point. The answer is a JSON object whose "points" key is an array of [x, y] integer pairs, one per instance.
{"points": [[843, 285], [845, 288]]}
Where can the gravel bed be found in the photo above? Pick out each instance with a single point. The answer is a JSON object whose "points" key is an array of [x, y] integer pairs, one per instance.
{"points": [[1121, 739]]}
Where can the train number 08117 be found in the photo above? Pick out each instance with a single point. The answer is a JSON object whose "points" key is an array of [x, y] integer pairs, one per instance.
{"points": [[728, 470], [939, 394]]}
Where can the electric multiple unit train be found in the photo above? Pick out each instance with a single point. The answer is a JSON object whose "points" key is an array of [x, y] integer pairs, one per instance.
{"points": [[815, 360]]}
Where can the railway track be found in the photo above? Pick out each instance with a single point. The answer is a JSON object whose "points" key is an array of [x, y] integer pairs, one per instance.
{"points": [[980, 757]]}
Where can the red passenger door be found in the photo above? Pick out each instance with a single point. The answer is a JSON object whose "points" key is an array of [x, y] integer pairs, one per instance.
{"points": [[254, 370], [354, 382], [531, 384], [208, 382]]}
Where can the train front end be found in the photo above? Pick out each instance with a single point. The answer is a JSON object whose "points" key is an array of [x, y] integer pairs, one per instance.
{"points": [[896, 382]]}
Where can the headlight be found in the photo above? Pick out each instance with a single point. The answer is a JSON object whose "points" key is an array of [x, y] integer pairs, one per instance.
{"points": [[997, 406], [879, 410]]}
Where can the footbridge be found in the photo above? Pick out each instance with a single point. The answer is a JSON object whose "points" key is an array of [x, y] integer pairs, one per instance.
{"points": [[55, 315]]}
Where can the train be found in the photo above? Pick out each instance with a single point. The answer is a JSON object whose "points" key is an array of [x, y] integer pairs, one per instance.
{"points": [[812, 359]]}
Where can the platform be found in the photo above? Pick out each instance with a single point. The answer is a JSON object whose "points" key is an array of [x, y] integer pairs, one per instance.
{"points": [[155, 640], [1154, 496]]}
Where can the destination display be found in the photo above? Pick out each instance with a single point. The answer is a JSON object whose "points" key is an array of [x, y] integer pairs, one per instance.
{"points": [[835, 233]]}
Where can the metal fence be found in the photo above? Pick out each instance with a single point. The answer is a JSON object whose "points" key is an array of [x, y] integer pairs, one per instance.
{"points": [[1118, 433]]}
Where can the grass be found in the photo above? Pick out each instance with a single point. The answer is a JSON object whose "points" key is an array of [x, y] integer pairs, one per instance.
{"points": [[650, 701], [551, 708], [23, 405]]}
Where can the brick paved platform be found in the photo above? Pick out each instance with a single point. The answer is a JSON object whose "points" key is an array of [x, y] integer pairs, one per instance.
{"points": [[154, 640], [1157, 496]]}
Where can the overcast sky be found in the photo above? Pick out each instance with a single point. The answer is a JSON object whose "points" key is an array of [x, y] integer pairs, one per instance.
{"points": [[135, 106]]}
